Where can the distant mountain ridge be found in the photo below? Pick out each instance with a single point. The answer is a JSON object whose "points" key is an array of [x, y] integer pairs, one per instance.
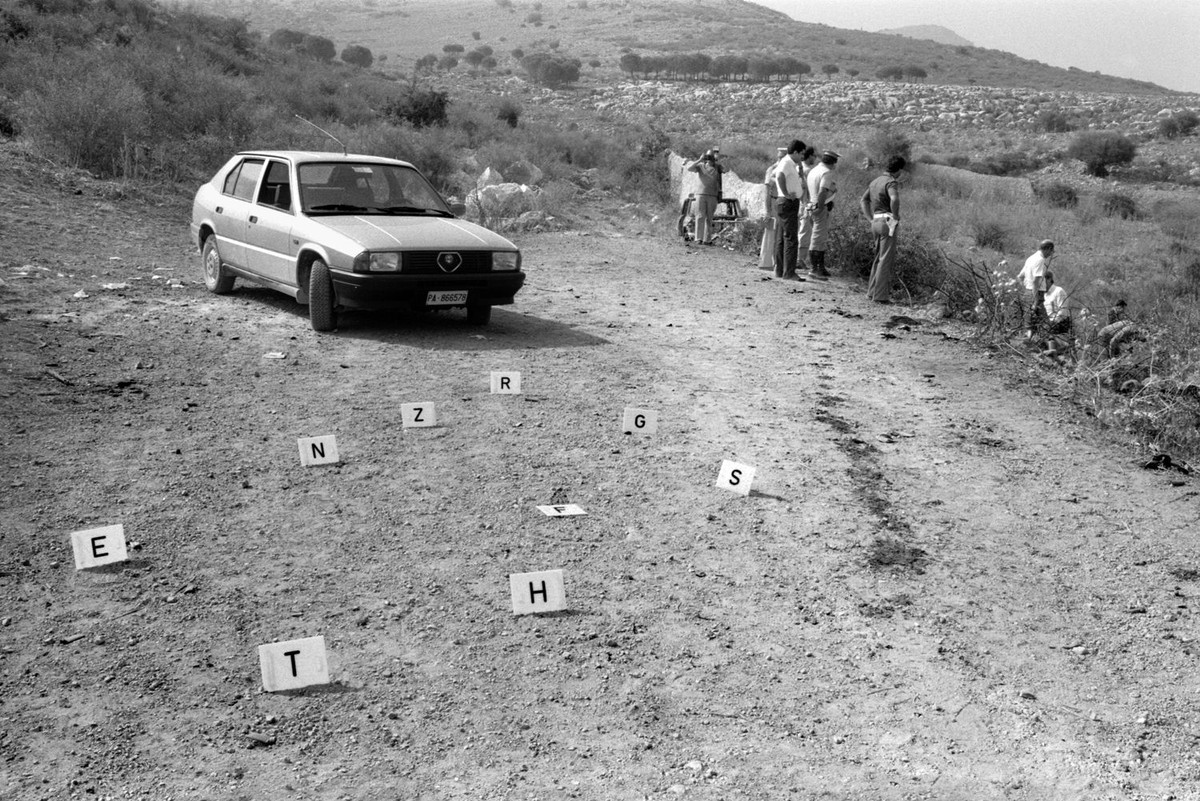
{"points": [[935, 33]]}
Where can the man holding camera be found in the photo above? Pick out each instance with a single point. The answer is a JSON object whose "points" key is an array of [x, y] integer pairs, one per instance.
{"points": [[709, 169]]}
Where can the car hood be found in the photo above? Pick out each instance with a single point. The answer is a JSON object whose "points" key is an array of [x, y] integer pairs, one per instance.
{"points": [[394, 232]]}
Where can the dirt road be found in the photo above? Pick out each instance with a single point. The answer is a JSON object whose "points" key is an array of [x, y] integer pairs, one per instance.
{"points": [[945, 583]]}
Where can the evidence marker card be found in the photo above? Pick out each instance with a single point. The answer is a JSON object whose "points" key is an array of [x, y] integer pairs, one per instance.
{"points": [[99, 546], [735, 477], [562, 510], [506, 383], [417, 415], [537, 592], [318, 450], [639, 421], [293, 664]]}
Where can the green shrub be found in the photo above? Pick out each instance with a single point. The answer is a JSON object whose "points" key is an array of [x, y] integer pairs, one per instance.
{"points": [[887, 142], [1057, 194], [419, 107], [1117, 205], [551, 70], [1181, 123], [509, 112], [1100, 150], [1053, 121], [989, 233]]}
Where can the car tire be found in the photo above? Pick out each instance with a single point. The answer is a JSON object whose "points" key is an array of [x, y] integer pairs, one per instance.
{"points": [[479, 315], [216, 279], [321, 308]]}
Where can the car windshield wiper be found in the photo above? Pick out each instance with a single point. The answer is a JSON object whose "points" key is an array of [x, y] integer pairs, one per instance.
{"points": [[338, 207], [408, 210]]}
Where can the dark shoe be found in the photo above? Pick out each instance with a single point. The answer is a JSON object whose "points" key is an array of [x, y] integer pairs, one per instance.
{"points": [[792, 277], [882, 302], [819, 276]]}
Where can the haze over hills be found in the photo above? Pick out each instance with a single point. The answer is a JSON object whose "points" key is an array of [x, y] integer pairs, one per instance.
{"points": [[402, 31], [936, 33]]}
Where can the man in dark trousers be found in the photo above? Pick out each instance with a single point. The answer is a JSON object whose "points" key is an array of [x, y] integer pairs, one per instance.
{"points": [[790, 194], [881, 205]]}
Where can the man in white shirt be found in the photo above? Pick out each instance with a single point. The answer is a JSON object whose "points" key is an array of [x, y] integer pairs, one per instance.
{"points": [[1033, 275], [1056, 307], [789, 191]]}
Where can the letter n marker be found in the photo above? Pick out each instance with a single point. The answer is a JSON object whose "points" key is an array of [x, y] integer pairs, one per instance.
{"points": [[417, 415], [537, 592], [318, 450], [293, 664], [506, 383], [99, 546], [735, 477]]}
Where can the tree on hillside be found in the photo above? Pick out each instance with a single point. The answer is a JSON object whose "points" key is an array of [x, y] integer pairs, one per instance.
{"points": [[358, 56], [890, 73], [631, 63], [318, 47], [916, 73], [830, 69], [1099, 150], [426, 63], [285, 38], [551, 69], [447, 62], [453, 48], [793, 66]]}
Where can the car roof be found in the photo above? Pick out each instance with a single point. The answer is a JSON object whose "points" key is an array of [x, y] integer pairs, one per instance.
{"points": [[303, 156]]}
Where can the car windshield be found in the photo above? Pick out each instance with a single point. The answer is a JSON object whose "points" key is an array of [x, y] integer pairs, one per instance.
{"points": [[347, 187]]}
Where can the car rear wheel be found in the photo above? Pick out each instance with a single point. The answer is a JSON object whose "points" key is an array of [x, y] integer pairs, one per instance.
{"points": [[479, 315], [216, 279], [321, 311]]}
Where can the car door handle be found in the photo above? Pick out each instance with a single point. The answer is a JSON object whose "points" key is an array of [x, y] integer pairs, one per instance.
{"points": [[220, 209], [253, 218]]}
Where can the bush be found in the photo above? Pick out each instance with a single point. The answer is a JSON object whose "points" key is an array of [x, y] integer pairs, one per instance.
{"points": [[989, 233], [419, 107], [358, 56], [1181, 123], [1115, 205], [318, 47], [1057, 194], [551, 70], [1053, 122], [509, 112], [887, 142], [1100, 150]]}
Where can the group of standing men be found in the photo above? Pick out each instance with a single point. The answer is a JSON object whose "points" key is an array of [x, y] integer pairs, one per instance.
{"points": [[800, 190]]}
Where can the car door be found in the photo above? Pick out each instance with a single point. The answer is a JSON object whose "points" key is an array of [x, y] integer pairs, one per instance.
{"points": [[233, 211], [269, 249]]}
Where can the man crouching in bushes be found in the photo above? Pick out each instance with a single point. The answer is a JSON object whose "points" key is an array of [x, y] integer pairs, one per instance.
{"points": [[1033, 275]]}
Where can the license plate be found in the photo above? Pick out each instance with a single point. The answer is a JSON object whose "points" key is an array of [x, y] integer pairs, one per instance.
{"points": [[445, 298]]}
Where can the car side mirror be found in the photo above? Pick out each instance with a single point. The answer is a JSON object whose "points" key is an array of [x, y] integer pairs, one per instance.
{"points": [[458, 208]]}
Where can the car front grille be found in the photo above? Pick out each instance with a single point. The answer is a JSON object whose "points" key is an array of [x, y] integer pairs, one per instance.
{"points": [[425, 262]]}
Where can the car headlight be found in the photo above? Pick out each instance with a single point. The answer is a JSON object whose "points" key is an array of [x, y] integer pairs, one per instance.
{"points": [[509, 260], [369, 262]]}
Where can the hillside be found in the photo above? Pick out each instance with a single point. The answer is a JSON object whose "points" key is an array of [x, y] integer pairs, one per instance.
{"points": [[934, 32], [601, 30]]}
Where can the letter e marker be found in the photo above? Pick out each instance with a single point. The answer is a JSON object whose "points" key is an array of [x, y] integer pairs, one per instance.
{"points": [[318, 450], [417, 415], [735, 477], [533, 593], [99, 546], [639, 421], [506, 383], [293, 664]]}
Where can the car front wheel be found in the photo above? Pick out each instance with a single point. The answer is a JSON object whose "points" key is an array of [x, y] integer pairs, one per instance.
{"points": [[216, 279], [321, 311]]}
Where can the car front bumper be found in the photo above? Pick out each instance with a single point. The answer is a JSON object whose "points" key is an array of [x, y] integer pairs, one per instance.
{"points": [[385, 291]]}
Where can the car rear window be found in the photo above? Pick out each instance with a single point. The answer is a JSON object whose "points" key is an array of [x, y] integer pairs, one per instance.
{"points": [[241, 182]]}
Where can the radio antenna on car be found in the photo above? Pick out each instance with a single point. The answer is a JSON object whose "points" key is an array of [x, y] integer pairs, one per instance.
{"points": [[322, 130]]}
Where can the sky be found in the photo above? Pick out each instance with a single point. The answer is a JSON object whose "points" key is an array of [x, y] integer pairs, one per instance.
{"points": [[1150, 40]]}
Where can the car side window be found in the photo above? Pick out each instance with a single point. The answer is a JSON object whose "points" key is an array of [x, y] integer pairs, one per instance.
{"points": [[276, 190], [247, 179]]}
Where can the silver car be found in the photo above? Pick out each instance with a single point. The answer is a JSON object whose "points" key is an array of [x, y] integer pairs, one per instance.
{"points": [[341, 231]]}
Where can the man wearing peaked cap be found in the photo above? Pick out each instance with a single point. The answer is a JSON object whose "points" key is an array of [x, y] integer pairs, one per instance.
{"points": [[822, 186]]}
